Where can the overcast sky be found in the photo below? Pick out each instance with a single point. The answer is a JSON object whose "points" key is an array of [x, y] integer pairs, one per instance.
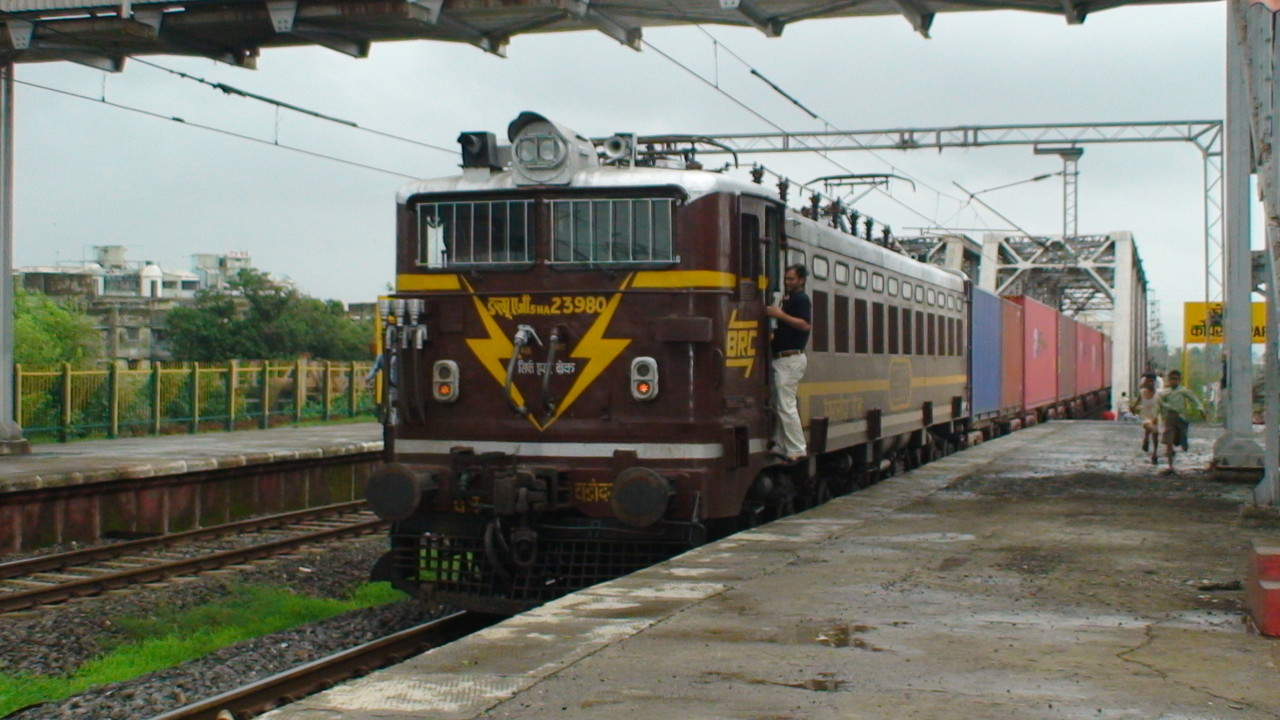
{"points": [[91, 174]]}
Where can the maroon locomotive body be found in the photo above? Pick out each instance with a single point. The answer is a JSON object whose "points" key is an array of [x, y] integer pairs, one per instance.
{"points": [[577, 364]]}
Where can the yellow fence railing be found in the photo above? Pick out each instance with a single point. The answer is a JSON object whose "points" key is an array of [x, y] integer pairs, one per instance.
{"points": [[61, 404]]}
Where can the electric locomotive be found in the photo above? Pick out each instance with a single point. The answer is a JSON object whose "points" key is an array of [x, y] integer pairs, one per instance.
{"points": [[577, 367]]}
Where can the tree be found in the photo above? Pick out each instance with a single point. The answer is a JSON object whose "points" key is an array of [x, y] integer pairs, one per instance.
{"points": [[47, 331], [258, 317]]}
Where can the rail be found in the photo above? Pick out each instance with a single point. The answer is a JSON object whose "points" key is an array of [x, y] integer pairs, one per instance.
{"points": [[62, 404], [82, 573], [291, 685]]}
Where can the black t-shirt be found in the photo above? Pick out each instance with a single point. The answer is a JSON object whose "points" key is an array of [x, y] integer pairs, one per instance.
{"points": [[786, 337]]}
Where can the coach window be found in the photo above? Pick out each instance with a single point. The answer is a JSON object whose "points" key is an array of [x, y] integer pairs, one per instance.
{"points": [[795, 257], [860, 326], [920, 294], [877, 328], [933, 297], [821, 324], [920, 346], [906, 290], [893, 329], [960, 339], [893, 287], [841, 321], [860, 278], [933, 334], [906, 331], [877, 282], [842, 273], [949, 346], [821, 267]]}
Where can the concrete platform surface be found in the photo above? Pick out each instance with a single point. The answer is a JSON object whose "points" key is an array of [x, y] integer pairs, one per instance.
{"points": [[1048, 574], [90, 461]]}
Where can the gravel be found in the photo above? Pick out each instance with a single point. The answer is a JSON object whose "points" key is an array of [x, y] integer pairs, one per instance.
{"points": [[61, 638]]}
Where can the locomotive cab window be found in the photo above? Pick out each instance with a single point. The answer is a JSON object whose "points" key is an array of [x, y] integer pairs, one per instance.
{"points": [[842, 273], [877, 282], [475, 232], [893, 286], [613, 231], [860, 278]]}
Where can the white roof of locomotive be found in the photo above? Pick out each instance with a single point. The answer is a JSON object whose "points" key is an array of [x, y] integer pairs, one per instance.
{"points": [[695, 183]]}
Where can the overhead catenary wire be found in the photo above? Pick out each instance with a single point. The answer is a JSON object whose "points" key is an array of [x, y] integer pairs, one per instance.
{"points": [[778, 88], [232, 90], [211, 128]]}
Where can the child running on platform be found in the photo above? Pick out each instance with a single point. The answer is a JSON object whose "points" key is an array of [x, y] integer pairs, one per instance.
{"points": [[1174, 405], [1144, 406]]}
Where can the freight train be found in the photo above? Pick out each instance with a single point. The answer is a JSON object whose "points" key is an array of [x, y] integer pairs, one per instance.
{"points": [[577, 368]]}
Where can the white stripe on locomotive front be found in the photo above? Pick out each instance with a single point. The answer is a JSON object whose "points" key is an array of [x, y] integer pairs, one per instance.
{"points": [[643, 451]]}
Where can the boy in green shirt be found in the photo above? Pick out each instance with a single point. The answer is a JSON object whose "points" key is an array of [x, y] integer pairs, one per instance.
{"points": [[1174, 405]]}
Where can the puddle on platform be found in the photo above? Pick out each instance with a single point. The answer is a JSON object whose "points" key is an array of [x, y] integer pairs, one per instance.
{"points": [[846, 635], [824, 682]]}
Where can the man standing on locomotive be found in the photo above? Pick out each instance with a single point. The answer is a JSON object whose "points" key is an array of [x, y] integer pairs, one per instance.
{"points": [[789, 361]]}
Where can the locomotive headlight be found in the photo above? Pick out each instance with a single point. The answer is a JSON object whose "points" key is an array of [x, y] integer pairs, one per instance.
{"points": [[444, 381], [644, 378], [540, 151]]}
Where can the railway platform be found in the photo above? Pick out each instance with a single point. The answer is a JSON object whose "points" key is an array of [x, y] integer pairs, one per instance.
{"points": [[1052, 573], [89, 461], [85, 491]]}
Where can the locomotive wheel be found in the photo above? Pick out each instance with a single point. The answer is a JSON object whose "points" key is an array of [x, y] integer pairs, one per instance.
{"points": [[821, 493], [782, 501]]}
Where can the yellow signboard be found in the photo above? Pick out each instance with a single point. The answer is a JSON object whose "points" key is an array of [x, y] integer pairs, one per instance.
{"points": [[1202, 322]]}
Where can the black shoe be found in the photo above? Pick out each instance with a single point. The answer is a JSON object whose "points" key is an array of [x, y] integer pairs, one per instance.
{"points": [[1186, 447], [1144, 446], [1155, 459]]}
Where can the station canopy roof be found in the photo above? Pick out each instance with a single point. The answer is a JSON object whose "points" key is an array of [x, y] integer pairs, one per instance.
{"points": [[102, 34]]}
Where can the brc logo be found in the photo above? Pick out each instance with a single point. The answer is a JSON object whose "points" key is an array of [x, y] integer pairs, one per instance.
{"points": [[740, 343]]}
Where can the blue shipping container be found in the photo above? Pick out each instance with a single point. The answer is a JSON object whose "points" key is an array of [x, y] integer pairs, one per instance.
{"points": [[984, 356]]}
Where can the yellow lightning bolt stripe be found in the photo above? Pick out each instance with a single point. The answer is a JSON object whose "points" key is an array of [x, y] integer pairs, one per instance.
{"points": [[598, 351], [493, 352]]}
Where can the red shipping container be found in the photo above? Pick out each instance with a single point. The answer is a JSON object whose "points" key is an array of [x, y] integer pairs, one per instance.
{"points": [[1039, 353], [1011, 356], [1066, 357], [1088, 359]]}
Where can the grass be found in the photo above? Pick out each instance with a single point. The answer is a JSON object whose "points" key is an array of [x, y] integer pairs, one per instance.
{"points": [[162, 641]]}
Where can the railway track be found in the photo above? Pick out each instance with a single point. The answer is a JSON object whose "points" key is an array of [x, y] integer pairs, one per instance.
{"points": [[259, 697], [54, 578]]}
